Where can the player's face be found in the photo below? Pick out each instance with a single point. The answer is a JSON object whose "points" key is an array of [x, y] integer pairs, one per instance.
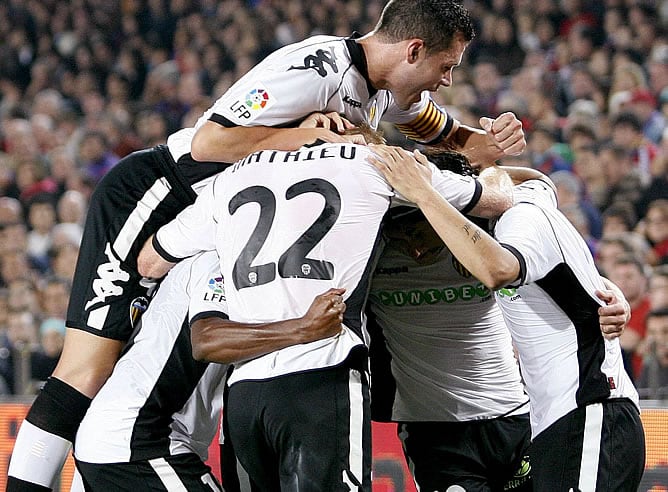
{"points": [[428, 73], [417, 240]]}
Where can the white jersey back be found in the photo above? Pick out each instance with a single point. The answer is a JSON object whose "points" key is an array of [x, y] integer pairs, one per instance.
{"points": [[321, 73], [452, 358], [158, 400], [552, 312], [288, 226]]}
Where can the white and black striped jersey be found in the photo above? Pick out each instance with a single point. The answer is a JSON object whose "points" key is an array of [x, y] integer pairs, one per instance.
{"points": [[552, 311], [288, 226], [321, 73], [159, 401], [452, 357]]}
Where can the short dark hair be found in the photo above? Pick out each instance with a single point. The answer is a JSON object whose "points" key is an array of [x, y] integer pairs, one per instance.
{"points": [[626, 118], [436, 22], [623, 211], [450, 160]]}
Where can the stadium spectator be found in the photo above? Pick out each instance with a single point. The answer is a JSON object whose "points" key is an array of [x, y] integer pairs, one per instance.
{"points": [[629, 273], [41, 219], [570, 192], [44, 358], [72, 207], [654, 227], [627, 133], [54, 293], [95, 155], [645, 106], [658, 287], [623, 179], [653, 380], [618, 218]]}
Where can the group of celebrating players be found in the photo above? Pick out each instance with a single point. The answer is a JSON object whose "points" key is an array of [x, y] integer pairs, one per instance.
{"points": [[271, 239]]}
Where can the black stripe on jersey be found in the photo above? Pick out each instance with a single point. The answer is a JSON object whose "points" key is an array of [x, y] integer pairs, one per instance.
{"points": [[563, 286], [221, 120], [356, 302], [174, 386], [161, 251], [209, 314], [358, 58], [477, 193], [523, 264]]}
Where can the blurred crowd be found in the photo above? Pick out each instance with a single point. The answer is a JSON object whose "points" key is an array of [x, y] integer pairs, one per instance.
{"points": [[85, 82]]}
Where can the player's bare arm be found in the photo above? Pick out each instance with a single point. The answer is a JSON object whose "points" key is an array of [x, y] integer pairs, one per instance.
{"points": [[219, 340], [497, 193], [149, 262], [485, 258], [216, 143]]}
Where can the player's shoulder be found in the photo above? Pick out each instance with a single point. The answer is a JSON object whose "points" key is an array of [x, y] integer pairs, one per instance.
{"points": [[320, 48]]}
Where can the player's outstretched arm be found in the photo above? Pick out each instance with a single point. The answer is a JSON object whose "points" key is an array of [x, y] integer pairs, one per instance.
{"points": [[220, 340], [485, 258], [215, 143], [499, 137]]}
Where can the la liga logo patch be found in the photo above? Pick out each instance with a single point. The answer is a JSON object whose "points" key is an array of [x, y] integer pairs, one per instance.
{"points": [[216, 285], [257, 99]]}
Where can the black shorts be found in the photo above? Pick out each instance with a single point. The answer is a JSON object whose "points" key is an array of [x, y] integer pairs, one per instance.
{"points": [[308, 431], [140, 194], [184, 472], [478, 455], [600, 447]]}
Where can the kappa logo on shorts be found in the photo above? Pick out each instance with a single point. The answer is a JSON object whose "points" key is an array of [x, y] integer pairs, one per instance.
{"points": [[105, 286]]}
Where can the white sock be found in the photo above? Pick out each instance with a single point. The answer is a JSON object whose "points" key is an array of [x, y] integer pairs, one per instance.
{"points": [[38, 456]]}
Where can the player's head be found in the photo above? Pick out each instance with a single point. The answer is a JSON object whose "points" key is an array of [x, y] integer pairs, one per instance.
{"points": [[436, 22], [407, 231], [450, 160], [424, 41]]}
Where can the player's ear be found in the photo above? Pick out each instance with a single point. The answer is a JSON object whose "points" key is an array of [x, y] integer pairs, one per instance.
{"points": [[413, 50]]}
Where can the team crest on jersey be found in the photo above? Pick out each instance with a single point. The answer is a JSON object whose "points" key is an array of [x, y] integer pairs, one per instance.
{"points": [[216, 292], [252, 103]]}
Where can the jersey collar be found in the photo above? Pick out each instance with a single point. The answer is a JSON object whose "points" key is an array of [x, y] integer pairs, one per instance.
{"points": [[358, 58]]}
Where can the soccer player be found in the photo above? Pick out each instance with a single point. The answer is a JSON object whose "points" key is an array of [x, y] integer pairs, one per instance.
{"points": [[151, 423], [385, 75], [287, 225], [453, 386], [454, 381], [585, 421]]}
